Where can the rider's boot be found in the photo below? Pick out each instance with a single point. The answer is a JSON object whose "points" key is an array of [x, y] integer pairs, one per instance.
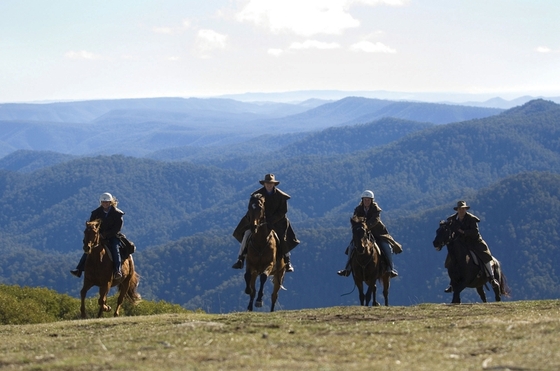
{"points": [[242, 251], [387, 253], [80, 267], [490, 271], [289, 266], [348, 268], [239, 263]]}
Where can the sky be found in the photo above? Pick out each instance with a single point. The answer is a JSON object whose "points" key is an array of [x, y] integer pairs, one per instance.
{"points": [[109, 49]]}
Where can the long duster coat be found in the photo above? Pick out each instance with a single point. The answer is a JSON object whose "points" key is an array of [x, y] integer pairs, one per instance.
{"points": [[276, 207], [471, 238]]}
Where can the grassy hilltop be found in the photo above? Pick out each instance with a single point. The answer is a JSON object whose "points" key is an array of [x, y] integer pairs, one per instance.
{"points": [[519, 335]]}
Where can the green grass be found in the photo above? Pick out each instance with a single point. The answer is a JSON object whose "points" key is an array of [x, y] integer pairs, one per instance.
{"points": [[520, 335]]}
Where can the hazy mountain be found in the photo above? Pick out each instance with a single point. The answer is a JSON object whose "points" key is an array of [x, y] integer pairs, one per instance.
{"points": [[139, 127]]}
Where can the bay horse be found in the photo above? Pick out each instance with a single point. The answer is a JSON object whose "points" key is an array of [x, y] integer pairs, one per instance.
{"points": [[367, 264], [462, 269], [99, 272], [262, 258]]}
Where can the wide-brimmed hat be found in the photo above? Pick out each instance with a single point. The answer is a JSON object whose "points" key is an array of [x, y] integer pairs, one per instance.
{"points": [[269, 178], [461, 205]]}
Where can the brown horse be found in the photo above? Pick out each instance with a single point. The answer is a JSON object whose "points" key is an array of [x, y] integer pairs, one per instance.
{"points": [[262, 257], [99, 272], [367, 264], [462, 269]]}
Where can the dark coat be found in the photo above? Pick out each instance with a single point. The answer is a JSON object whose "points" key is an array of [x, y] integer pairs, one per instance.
{"points": [[111, 222], [376, 226], [471, 238], [276, 208]]}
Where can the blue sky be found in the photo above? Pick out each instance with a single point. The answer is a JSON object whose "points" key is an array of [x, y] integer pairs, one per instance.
{"points": [[77, 50]]}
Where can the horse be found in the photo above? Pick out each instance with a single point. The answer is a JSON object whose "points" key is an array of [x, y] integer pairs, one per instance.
{"points": [[262, 258], [99, 272], [367, 264], [462, 269]]}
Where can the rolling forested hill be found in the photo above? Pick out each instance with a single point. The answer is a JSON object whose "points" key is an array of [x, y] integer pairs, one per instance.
{"points": [[181, 214]]}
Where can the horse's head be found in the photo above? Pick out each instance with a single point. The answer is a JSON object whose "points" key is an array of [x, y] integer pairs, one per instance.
{"points": [[91, 235], [360, 234], [444, 234], [256, 211]]}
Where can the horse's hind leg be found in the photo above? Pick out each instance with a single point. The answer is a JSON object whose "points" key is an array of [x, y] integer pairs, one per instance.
{"points": [[259, 303]]}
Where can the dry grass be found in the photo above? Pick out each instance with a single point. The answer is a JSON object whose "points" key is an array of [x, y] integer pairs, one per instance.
{"points": [[498, 336]]}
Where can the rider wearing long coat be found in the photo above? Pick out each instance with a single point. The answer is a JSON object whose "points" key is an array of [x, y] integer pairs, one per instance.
{"points": [[276, 208], [471, 236]]}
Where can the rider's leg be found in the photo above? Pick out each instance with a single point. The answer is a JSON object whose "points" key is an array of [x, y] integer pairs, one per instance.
{"points": [[80, 267], [289, 266], [387, 253], [113, 244], [490, 273], [241, 256], [348, 268]]}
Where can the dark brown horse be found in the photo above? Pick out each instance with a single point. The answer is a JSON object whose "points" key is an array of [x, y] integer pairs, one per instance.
{"points": [[262, 259], [367, 264], [462, 269], [99, 272]]}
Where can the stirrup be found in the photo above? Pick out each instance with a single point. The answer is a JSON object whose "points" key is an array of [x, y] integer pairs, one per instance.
{"points": [[289, 267], [238, 264], [449, 289]]}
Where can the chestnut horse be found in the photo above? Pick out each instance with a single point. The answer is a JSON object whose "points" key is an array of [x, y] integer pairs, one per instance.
{"points": [[99, 272], [262, 258], [367, 264], [462, 269]]}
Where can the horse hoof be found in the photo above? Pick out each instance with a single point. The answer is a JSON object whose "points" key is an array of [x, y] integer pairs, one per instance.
{"points": [[258, 304], [106, 308]]}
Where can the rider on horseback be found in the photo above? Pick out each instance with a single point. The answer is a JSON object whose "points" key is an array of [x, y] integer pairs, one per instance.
{"points": [[276, 207], [111, 223], [369, 209], [465, 227]]}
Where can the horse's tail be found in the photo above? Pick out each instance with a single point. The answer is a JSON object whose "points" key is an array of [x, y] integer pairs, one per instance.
{"points": [[131, 294], [504, 288]]}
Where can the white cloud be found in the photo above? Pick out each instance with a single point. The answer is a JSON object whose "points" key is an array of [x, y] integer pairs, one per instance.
{"points": [[167, 30], [543, 49], [275, 52], [209, 40], [314, 44], [370, 47], [82, 54], [306, 17]]}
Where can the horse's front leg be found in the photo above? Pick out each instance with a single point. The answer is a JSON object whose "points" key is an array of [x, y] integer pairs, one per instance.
{"points": [[278, 281], [374, 302], [368, 295], [83, 293], [360, 286], [251, 288], [103, 292], [386, 284], [481, 293], [259, 303]]}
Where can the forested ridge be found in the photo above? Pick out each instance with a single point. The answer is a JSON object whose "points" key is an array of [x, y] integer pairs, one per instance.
{"points": [[181, 214]]}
